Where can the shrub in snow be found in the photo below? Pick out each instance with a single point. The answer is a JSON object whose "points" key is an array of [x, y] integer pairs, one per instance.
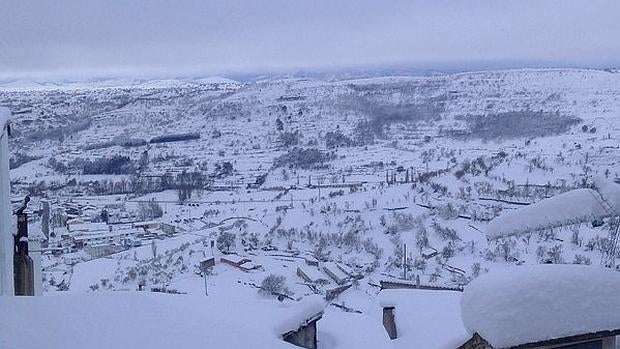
{"points": [[507, 249], [421, 239], [575, 240], [274, 284], [372, 248], [419, 264], [581, 259], [447, 252], [226, 241], [541, 252], [150, 210], [445, 232], [555, 254], [475, 270]]}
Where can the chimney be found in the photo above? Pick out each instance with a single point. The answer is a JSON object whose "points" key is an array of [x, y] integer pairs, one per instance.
{"points": [[389, 322]]}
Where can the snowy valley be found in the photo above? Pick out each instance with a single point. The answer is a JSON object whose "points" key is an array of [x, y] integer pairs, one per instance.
{"points": [[262, 194]]}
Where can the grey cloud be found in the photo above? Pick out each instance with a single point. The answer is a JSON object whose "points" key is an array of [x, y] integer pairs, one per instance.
{"points": [[76, 35]]}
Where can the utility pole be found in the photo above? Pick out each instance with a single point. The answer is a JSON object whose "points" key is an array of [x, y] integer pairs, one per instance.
{"points": [[405, 261], [45, 221], [204, 275]]}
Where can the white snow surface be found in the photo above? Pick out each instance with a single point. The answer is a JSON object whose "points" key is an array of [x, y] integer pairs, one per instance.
{"points": [[610, 192], [342, 330], [426, 319], [574, 206], [148, 320], [529, 304], [5, 116]]}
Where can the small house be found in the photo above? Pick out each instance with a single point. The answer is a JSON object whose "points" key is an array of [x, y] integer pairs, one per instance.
{"points": [[167, 228], [334, 272], [88, 228], [99, 250], [234, 260], [249, 266], [429, 252], [311, 260], [311, 275], [146, 225]]}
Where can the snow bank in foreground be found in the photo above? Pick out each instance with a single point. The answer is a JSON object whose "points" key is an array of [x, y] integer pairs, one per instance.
{"points": [[534, 303], [574, 206], [426, 319], [147, 320]]}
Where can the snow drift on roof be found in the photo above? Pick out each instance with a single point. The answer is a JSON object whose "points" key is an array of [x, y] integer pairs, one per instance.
{"points": [[610, 192], [148, 320], [574, 206], [535, 303], [426, 319]]}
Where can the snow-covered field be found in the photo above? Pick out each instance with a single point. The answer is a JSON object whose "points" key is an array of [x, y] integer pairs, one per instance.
{"points": [[349, 173]]}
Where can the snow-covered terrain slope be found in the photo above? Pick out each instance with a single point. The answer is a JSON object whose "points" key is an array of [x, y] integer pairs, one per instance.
{"points": [[274, 177]]}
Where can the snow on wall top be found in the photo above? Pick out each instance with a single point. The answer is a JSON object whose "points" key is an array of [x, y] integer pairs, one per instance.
{"points": [[426, 319], [305, 309], [148, 320], [573, 206], [535, 303]]}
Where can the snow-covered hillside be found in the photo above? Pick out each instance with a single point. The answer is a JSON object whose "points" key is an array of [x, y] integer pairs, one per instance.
{"points": [[318, 185]]}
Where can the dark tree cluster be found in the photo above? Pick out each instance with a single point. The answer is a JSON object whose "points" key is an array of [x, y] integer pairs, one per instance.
{"points": [[517, 124], [289, 139], [20, 158], [337, 139], [117, 164], [175, 137], [305, 158]]}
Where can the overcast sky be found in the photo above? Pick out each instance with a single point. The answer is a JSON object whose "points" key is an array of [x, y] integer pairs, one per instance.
{"points": [[73, 37]]}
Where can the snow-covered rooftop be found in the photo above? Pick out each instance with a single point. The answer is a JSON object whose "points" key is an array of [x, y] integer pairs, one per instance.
{"points": [[149, 320], [571, 207], [529, 304], [426, 319]]}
